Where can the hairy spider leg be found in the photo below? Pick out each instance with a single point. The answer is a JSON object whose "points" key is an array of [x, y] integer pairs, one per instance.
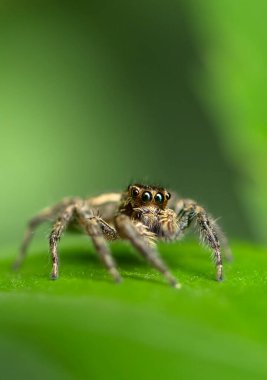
{"points": [[55, 235], [44, 216], [96, 228], [139, 236], [109, 232], [179, 207], [192, 212], [168, 223], [224, 242]]}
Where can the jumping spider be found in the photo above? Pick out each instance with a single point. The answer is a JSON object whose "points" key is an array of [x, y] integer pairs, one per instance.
{"points": [[140, 215]]}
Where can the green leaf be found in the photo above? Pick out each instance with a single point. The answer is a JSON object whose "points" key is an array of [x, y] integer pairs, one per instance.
{"points": [[85, 326]]}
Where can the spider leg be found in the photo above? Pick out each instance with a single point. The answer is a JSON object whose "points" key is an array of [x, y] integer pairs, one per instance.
{"points": [[55, 235], [224, 243], [182, 204], [36, 221], [140, 238], [98, 230], [109, 232], [190, 212]]}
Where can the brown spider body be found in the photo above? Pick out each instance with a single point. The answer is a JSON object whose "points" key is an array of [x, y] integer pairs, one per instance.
{"points": [[142, 214]]}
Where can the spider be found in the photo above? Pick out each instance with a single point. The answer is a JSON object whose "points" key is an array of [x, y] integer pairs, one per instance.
{"points": [[140, 215]]}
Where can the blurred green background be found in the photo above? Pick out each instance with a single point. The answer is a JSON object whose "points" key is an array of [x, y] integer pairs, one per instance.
{"points": [[97, 94]]}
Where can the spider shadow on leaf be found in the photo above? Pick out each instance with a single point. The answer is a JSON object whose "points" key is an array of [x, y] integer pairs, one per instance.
{"points": [[195, 261], [129, 263], [188, 258], [78, 258]]}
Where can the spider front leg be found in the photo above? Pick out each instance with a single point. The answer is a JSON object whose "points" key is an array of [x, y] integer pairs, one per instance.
{"points": [[182, 204], [98, 229], [190, 212], [140, 237]]}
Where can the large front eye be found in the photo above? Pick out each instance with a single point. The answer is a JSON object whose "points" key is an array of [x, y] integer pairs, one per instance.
{"points": [[147, 196], [159, 198]]}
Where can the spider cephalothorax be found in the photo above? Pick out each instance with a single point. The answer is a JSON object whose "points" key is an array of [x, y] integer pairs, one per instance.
{"points": [[142, 214], [147, 204]]}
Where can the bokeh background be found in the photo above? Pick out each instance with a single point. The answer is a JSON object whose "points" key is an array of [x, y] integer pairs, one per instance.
{"points": [[96, 94]]}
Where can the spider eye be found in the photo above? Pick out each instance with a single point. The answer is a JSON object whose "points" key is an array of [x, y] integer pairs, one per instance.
{"points": [[135, 192], [147, 196], [159, 198], [168, 196]]}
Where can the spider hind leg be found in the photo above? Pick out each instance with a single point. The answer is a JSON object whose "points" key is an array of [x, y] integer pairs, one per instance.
{"points": [[45, 215], [55, 235]]}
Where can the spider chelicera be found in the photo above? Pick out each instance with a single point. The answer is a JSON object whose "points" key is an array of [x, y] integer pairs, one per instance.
{"points": [[142, 214]]}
